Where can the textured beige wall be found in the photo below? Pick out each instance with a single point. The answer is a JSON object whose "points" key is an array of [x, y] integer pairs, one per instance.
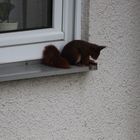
{"points": [[116, 85], [100, 105]]}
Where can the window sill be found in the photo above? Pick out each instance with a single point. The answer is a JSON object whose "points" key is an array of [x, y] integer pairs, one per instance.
{"points": [[33, 69]]}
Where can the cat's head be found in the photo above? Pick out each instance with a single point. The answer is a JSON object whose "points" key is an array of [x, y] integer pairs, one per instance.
{"points": [[95, 50]]}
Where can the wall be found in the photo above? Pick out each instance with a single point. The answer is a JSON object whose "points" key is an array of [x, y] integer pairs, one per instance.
{"points": [[100, 105], [116, 111]]}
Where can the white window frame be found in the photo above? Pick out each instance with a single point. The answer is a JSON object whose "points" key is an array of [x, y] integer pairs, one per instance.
{"points": [[28, 45]]}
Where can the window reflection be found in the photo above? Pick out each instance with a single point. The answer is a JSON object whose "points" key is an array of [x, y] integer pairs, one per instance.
{"points": [[20, 15]]}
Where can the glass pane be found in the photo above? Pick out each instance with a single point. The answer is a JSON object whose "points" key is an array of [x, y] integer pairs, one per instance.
{"points": [[21, 15]]}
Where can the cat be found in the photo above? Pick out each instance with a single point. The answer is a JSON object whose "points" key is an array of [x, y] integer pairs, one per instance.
{"points": [[52, 57], [78, 52]]}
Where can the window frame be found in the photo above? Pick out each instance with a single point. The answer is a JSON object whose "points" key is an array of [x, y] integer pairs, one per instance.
{"points": [[40, 35], [19, 46]]}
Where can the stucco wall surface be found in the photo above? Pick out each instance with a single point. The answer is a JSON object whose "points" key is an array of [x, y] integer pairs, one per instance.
{"points": [[117, 82], [100, 105]]}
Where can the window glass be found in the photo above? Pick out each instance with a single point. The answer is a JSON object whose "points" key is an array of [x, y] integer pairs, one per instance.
{"points": [[21, 15]]}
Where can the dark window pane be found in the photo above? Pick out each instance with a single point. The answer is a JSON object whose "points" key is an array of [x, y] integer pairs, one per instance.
{"points": [[20, 15]]}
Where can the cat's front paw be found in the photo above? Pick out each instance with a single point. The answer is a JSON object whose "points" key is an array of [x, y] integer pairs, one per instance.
{"points": [[92, 62]]}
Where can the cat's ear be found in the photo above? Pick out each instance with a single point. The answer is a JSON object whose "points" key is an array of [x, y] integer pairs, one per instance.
{"points": [[101, 47]]}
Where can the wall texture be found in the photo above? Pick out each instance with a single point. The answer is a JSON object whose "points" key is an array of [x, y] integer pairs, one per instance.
{"points": [[100, 105], [116, 114]]}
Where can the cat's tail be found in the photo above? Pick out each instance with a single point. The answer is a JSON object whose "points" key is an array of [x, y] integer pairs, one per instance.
{"points": [[61, 62], [52, 57]]}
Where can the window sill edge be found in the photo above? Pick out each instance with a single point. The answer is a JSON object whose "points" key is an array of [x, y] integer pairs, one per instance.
{"points": [[34, 69]]}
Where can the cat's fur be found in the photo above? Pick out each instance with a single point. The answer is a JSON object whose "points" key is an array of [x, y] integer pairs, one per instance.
{"points": [[51, 57], [78, 52]]}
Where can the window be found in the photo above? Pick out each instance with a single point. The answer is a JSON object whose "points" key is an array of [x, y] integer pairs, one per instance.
{"points": [[27, 26], [25, 15]]}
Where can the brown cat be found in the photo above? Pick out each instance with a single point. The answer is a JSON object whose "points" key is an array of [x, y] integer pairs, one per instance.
{"points": [[78, 52], [52, 57]]}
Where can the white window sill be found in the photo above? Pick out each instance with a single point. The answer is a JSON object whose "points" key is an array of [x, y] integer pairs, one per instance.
{"points": [[33, 69]]}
